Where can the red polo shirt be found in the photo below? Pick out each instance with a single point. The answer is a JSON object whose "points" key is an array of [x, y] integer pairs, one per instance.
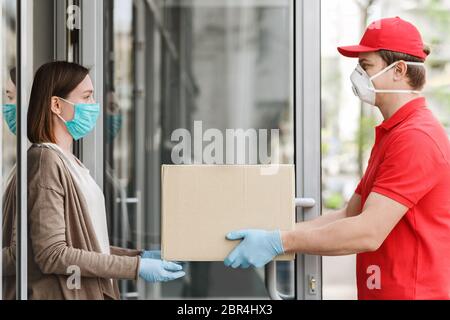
{"points": [[410, 163]]}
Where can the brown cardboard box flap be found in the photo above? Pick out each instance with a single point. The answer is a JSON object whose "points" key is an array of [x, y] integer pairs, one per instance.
{"points": [[202, 203]]}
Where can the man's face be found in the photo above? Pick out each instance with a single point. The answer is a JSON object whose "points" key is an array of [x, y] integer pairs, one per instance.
{"points": [[372, 63]]}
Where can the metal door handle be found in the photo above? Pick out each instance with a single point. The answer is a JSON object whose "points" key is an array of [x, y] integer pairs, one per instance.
{"points": [[270, 271], [305, 202]]}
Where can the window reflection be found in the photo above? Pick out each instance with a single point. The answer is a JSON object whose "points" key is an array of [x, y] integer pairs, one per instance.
{"points": [[8, 139]]}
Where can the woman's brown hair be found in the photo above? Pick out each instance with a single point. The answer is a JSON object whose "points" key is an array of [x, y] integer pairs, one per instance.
{"points": [[54, 79]]}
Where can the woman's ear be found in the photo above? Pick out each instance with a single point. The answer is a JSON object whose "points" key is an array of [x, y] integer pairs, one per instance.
{"points": [[56, 106]]}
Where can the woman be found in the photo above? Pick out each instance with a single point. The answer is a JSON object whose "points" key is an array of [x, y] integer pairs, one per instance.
{"points": [[68, 235]]}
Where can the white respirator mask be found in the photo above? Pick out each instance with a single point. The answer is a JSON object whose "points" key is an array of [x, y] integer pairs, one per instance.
{"points": [[363, 84]]}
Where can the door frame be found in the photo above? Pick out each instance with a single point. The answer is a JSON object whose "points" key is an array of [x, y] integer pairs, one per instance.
{"points": [[24, 67], [92, 57], [307, 117]]}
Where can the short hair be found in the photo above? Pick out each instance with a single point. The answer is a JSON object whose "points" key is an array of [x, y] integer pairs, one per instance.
{"points": [[415, 74]]}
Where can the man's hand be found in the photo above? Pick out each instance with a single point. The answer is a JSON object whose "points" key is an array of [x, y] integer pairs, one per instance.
{"points": [[256, 249]]}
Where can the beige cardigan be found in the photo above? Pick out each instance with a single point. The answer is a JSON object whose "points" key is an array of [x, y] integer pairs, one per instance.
{"points": [[60, 235]]}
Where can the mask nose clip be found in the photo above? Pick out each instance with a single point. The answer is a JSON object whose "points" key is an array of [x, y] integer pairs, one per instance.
{"points": [[355, 91]]}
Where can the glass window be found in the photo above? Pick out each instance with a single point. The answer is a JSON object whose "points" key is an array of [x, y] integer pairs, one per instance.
{"points": [[8, 148], [177, 64]]}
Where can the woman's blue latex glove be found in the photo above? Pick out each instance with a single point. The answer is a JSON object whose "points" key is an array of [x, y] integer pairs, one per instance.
{"points": [[152, 254], [155, 270], [156, 254], [257, 248]]}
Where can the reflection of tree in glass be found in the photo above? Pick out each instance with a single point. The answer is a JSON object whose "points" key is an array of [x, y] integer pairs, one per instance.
{"points": [[367, 117], [437, 13]]}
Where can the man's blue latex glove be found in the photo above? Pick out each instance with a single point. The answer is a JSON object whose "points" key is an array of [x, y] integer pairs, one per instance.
{"points": [[152, 254], [257, 248], [154, 270]]}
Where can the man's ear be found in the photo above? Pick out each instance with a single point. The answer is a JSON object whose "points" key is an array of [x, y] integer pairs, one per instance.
{"points": [[56, 106], [400, 70]]}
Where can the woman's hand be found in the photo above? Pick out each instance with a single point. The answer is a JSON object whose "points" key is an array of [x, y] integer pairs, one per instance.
{"points": [[155, 270], [152, 254], [156, 254]]}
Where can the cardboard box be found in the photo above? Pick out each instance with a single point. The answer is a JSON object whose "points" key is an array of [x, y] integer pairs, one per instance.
{"points": [[201, 204]]}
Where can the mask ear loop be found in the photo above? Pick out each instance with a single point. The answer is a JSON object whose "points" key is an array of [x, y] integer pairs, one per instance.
{"points": [[65, 122], [383, 71], [397, 91], [71, 103], [62, 119], [409, 63]]}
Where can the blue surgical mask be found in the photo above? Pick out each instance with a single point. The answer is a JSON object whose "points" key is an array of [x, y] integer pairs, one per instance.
{"points": [[84, 120], [114, 124], [10, 115]]}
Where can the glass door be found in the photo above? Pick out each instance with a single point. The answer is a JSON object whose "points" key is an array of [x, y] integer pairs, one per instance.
{"points": [[159, 66], [194, 65]]}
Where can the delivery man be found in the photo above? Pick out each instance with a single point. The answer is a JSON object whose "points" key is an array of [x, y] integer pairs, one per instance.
{"points": [[398, 220]]}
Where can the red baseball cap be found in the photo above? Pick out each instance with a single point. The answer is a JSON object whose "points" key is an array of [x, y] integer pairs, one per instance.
{"points": [[392, 34]]}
